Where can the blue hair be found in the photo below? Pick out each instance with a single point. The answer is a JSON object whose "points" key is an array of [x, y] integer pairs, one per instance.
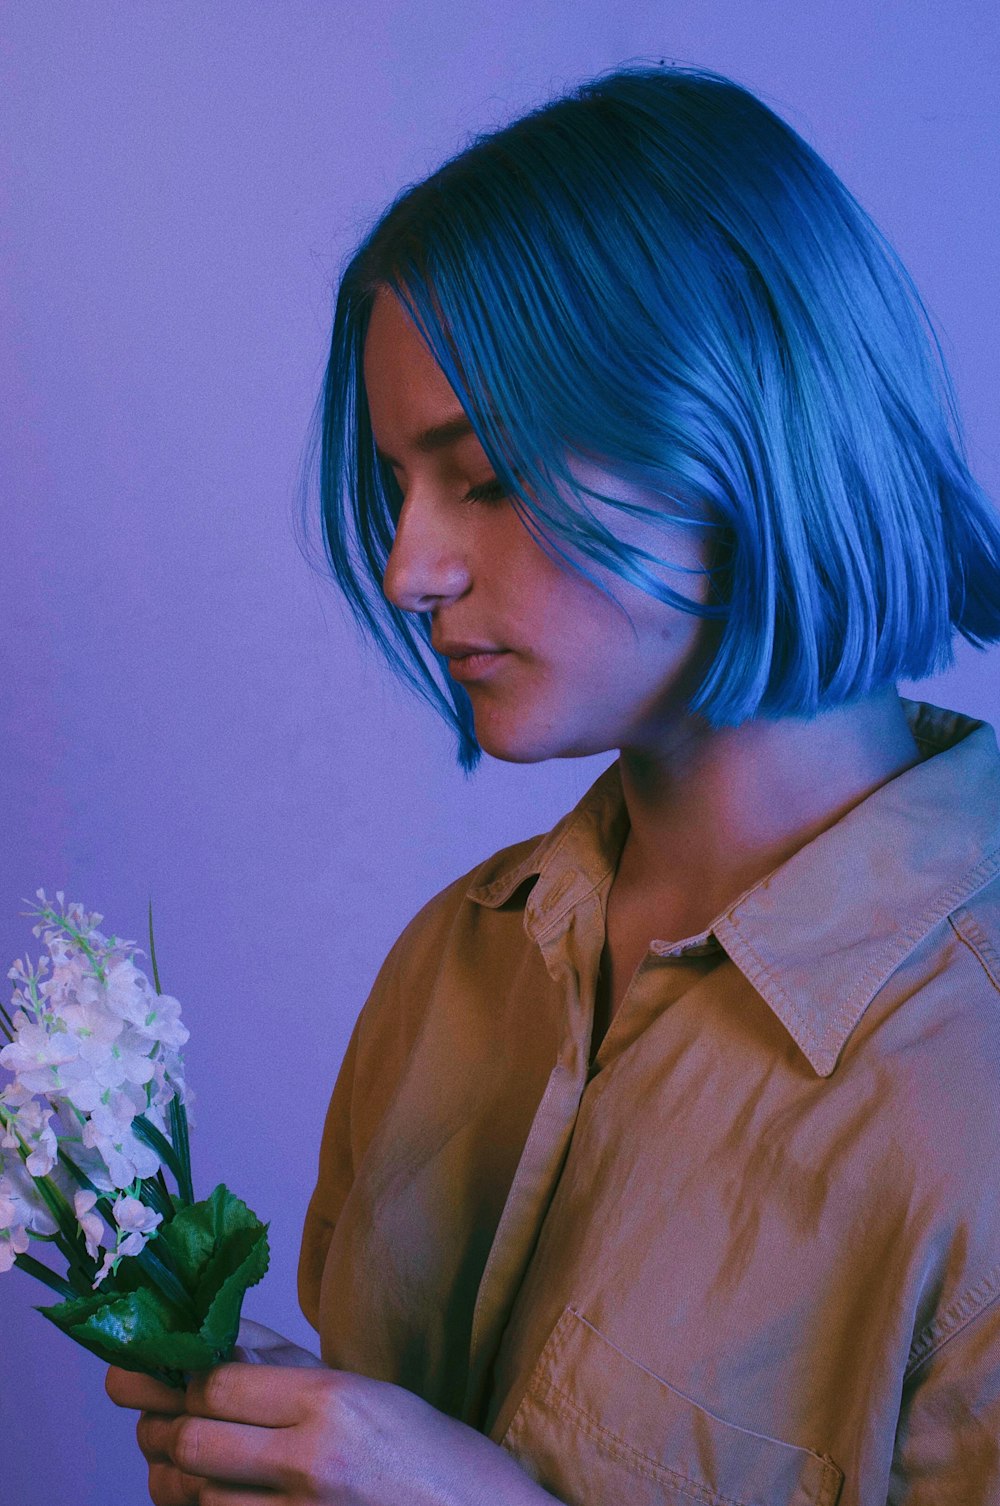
{"points": [[655, 272]]}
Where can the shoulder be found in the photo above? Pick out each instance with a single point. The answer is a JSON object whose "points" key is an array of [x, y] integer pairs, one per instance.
{"points": [[439, 916], [945, 1055], [977, 923], [448, 920], [934, 1114]]}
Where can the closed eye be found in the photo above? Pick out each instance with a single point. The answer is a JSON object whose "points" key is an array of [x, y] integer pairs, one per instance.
{"points": [[487, 491]]}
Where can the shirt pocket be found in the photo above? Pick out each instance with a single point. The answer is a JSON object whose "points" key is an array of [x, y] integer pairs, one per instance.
{"points": [[597, 1429]]}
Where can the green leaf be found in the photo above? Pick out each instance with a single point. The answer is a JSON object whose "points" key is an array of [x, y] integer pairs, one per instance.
{"points": [[218, 1249], [200, 1241], [222, 1320], [138, 1331], [179, 1138]]}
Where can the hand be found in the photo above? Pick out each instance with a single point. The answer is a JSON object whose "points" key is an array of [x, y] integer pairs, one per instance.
{"points": [[256, 1345], [308, 1435]]}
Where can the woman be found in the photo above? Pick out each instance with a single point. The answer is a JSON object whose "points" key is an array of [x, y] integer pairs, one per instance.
{"points": [[661, 1165]]}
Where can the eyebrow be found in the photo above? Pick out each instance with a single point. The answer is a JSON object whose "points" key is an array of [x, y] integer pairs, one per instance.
{"points": [[437, 437]]}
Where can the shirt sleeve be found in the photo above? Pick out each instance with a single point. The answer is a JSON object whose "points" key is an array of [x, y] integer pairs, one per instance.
{"points": [[333, 1183], [373, 1065], [947, 1449]]}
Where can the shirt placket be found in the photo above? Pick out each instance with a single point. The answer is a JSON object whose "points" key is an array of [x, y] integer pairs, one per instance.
{"points": [[571, 950]]}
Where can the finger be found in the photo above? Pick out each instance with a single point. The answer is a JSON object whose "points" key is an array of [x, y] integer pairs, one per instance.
{"points": [[269, 1396], [127, 1388], [226, 1495], [155, 1436], [169, 1486], [232, 1453]]}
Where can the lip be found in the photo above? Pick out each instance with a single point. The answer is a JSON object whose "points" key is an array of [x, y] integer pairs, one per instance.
{"points": [[459, 648], [476, 666]]}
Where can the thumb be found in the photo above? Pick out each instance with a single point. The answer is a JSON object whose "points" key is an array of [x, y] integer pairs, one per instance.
{"points": [[256, 1336], [257, 1344]]}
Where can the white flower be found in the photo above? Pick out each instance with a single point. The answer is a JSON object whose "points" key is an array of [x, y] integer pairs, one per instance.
{"points": [[22, 1212], [134, 1217], [93, 1026], [15, 1095], [162, 1021], [125, 991], [94, 1046], [13, 1240], [110, 1264], [108, 1130], [71, 968], [90, 1162], [31, 1124], [13, 1233], [135, 1223], [92, 1224], [42, 1060], [112, 1062], [168, 1083]]}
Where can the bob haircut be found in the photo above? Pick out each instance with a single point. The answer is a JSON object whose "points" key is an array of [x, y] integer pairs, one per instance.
{"points": [[655, 272]]}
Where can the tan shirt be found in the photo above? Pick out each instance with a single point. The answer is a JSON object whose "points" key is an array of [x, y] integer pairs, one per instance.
{"points": [[751, 1254]]}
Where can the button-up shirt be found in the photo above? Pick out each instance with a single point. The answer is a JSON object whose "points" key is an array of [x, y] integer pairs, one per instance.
{"points": [[748, 1253]]}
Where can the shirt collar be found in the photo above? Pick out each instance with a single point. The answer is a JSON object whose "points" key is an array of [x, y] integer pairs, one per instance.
{"points": [[819, 936]]}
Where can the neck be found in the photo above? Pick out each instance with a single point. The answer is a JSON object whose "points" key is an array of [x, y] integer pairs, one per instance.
{"points": [[711, 811]]}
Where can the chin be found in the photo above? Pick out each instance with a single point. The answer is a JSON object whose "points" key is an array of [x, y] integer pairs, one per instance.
{"points": [[521, 747]]}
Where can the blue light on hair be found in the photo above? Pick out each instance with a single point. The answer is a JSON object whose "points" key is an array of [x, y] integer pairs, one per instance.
{"points": [[655, 272]]}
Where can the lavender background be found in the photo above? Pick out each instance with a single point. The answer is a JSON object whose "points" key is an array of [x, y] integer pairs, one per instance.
{"points": [[186, 714]]}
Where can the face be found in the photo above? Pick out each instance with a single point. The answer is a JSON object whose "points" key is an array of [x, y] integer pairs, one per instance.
{"points": [[574, 679]]}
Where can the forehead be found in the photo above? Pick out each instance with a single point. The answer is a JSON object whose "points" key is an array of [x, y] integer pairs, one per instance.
{"points": [[401, 375]]}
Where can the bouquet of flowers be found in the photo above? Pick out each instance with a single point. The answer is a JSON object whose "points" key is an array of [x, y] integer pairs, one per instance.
{"points": [[95, 1116]]}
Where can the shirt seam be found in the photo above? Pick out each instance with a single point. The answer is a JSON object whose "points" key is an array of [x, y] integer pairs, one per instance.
{"points": [[971, 933], [654, 1469], [844, 1019], [634, 1458], [948, 1325], [938, 909], [544, 934], [478, 1319]]}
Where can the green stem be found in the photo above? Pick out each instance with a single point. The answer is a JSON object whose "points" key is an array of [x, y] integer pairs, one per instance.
{"points": [[156, 1195], [157, 1140], [62, 924], [50, 1195], [168, 1195], [35, 1268], [152, 951], [179, 1135], [80, 1177], [178, 1115], [80, 1268], [163, 1278]]}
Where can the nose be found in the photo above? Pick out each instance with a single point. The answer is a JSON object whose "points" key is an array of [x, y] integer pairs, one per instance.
{"points": [[426, 563]]}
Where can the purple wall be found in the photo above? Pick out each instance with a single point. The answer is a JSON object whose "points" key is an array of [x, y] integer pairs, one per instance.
{"points": [[186, 713]]}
